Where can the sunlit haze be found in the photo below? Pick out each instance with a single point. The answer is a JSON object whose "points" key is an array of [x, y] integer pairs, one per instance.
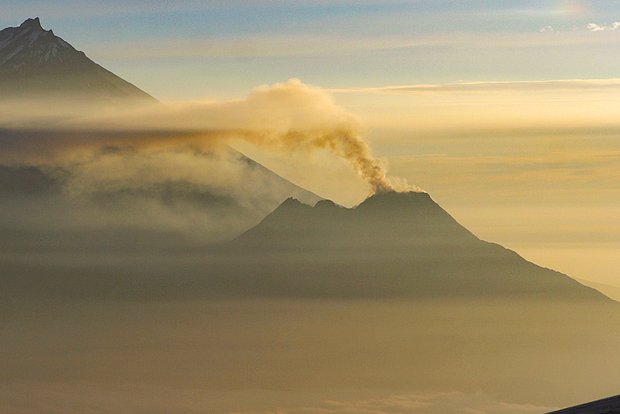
{"points": [[309, 207]]}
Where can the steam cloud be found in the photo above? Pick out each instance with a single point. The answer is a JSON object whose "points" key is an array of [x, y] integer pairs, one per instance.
{"points": [[288, 116]]}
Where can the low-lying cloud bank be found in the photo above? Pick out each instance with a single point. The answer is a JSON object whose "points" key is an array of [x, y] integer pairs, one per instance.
{"points": [[123, 198]]}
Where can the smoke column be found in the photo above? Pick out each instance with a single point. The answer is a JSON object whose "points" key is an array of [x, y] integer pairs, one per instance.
{"points": [[349, 146]]}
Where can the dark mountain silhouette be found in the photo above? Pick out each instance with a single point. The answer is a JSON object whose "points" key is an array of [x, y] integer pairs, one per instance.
{"points": [[381, 222], [35, 63], [609, 405], [401, 244]]}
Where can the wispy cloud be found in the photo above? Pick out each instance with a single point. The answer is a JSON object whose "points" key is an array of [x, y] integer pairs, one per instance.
{"points": [[593, 27], [596, 27], [485, 86], [590, 27]]}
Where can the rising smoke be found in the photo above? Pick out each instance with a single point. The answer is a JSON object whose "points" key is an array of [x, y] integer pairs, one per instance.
{"points": [[288, 116]]}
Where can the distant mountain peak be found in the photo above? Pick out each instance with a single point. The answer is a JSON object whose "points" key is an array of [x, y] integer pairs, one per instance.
{"points": [[35, 63], [30, 45]]}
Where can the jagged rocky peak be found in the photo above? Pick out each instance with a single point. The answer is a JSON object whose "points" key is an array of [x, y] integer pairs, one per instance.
{"points": [[32, 23], [35, 63], [30, 44]]}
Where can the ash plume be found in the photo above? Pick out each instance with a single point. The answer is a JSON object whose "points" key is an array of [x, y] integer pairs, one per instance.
{"points": [[288, 116], [349, 146]]}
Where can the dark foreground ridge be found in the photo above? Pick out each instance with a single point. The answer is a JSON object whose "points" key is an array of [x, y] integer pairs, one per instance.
{"points": [[609, 405]]}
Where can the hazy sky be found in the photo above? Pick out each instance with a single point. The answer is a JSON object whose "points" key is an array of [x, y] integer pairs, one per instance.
{"points": [[207, 48], [520, 159], [505, 111]]}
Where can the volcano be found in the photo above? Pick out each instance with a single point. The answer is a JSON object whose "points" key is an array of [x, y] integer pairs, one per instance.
{"points": [[394, 244]]}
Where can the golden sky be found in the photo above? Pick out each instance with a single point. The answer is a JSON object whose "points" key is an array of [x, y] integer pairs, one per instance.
{"points": [[505, 111], [534, 166]]}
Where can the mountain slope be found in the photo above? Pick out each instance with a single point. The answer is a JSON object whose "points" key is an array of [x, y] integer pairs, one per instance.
{"points": [[612, 292], [35, 63]]}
